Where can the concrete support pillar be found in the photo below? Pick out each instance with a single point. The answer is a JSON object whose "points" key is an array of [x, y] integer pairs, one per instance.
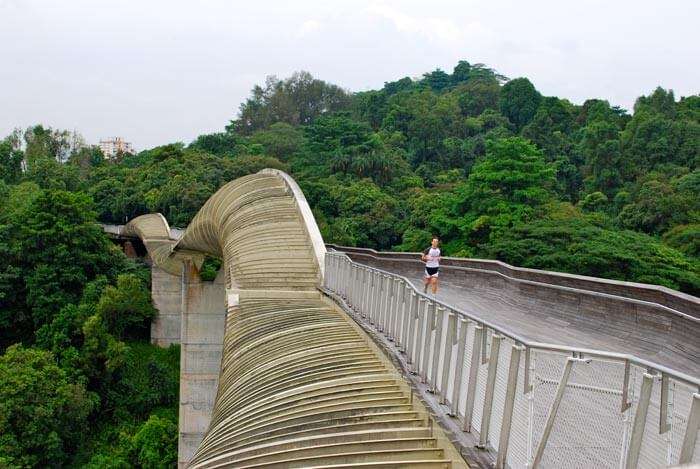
{"points": [[166, 293], [203, 323]]}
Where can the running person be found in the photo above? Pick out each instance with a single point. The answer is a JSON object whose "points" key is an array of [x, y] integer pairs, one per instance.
{"points": [[431, 257]]}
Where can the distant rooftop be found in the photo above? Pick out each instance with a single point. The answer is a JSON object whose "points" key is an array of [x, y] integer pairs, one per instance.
{"points": [[114, 146]]}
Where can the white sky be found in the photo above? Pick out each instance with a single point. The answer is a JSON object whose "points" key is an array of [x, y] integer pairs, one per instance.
{"points": [[156, 71]]}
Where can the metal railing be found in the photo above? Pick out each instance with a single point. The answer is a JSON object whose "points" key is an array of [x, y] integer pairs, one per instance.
{"points": [[534, 404]]}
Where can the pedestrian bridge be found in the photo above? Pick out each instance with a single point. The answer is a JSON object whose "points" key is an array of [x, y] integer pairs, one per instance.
{"points": [[299, 356]]}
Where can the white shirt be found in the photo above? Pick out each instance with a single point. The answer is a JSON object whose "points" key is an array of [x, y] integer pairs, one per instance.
{"points": [[433, 258]]}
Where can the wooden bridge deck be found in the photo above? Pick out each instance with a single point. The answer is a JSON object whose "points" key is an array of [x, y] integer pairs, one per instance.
{"points": [[543, 321]]}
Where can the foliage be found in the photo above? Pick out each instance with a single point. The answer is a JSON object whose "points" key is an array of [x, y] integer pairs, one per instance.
{"points": [[126, 308], [210, 269], [578, 246], [519, 101], [297, 100], [10, 159], [52, 248], [490, 165], [42, 413], [155, 444]]}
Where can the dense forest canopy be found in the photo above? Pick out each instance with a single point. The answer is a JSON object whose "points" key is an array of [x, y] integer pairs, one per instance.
{"points": [[487, 163]]}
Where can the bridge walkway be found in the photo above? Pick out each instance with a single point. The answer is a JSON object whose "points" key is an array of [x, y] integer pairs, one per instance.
{"points": [[675, 346]]}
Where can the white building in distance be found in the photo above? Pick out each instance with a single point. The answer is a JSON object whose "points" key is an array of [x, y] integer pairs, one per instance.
{"points": [[114, 146]]}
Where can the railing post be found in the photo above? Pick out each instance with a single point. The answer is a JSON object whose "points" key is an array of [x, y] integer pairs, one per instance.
{"points": [[380, 300], [473, 375], [401, 320], [664, 425], [529, 389], [490, 384], [422, 320], [436, 346], [343, 278], [386, 304], [330, 272], [398, 304], [326, 258], [691, 431], [375, 298], [407, 317], [459, 367], [450, 341], [365, 291], [348, 280], [426, 331], [351, 286], [553, 412], [355, 285], [413, 330], [341, 271], [418, 339], [504, 437], [336, 268], [640, 420], [391, 309], [386, 314]]}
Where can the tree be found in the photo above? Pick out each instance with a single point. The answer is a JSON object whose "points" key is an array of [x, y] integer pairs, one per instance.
{"points": [[220, 143], [10, 160], [513, 172], [155, 444], [600, 110], [604, 167], [48, 143], [298, 100], [659, 204], [551, 126], [53, 248], [509, 185], [43, 415], [464, 71], [426, 119], [519, 101], [366, 216], [281, 140], [661, 101], [573, 244], [476, 96], [394, 87], [651, 140], [127, 308], [461, 72], [370, 106], [437, 80], [685, 238]]}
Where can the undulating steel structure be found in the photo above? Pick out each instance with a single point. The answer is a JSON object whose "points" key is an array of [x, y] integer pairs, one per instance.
{"points": [[301, 383], [331, 362]]}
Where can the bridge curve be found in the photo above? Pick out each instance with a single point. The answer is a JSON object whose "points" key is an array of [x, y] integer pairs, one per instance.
{"points": [[300, 383], [306, 381], [651, 322]]}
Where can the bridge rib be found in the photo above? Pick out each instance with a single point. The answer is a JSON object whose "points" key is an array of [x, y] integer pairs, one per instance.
{"points": [[300, 384]]}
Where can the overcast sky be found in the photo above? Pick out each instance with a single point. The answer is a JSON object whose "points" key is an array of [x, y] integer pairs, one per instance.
{"points": [[157, 71]]}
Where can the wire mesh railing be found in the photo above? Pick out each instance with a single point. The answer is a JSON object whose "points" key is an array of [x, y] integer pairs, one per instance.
{"points": [[533, 404]]}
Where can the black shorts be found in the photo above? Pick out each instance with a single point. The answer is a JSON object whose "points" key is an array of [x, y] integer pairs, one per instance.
{"points": [[431, 271]]}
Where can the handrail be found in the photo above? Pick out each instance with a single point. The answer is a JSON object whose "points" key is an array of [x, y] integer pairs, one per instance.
{"points": [[676, 301], [540, 345], [425, 333]]}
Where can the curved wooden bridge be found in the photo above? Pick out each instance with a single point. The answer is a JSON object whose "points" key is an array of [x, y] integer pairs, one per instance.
{"points": [[335, 359], [301, 385]]}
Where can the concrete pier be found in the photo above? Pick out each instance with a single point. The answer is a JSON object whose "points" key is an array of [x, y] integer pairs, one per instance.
{"points": [[203, 323]]}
